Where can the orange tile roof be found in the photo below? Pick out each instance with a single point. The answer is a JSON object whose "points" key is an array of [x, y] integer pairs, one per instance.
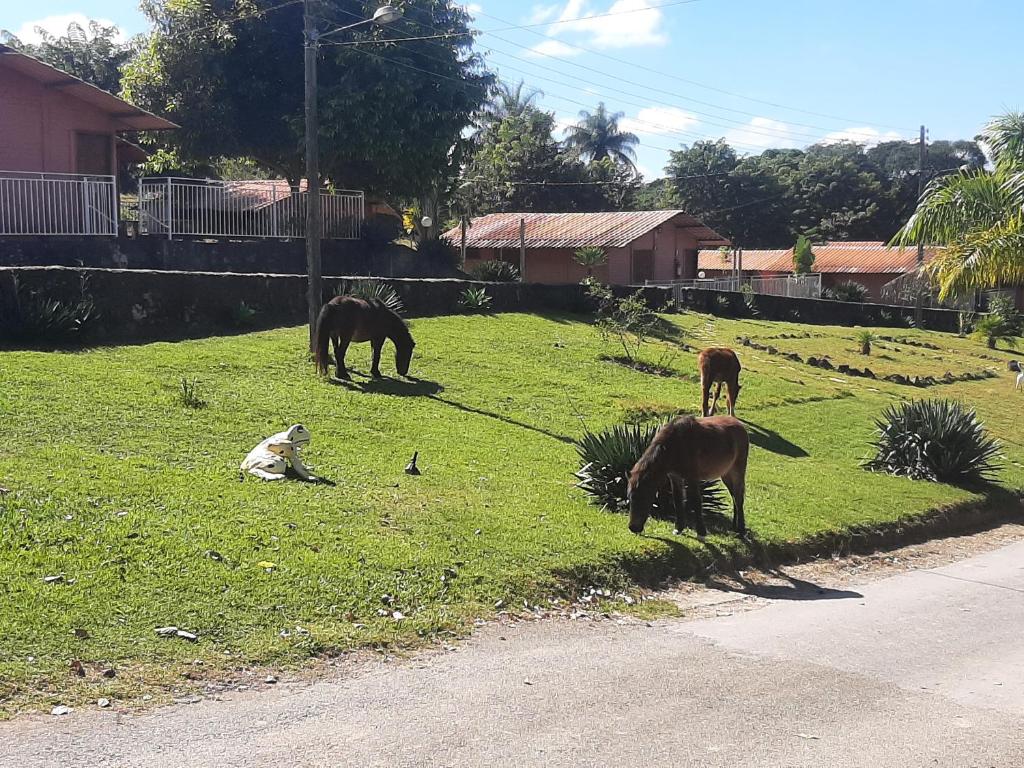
{"points": [[574, 230], [854, 257]]}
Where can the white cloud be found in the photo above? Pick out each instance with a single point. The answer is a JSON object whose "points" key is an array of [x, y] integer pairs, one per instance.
{"points": [[763, 133], [58, 26], [555, 48], [542, 13], [866, 136], [563, 122], [632, 23], [658, 121]]}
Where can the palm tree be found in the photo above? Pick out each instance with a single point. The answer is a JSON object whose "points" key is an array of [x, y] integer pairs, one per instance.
{"points": [[597, 137], [510, 100], [977, 216], [590, 256]]}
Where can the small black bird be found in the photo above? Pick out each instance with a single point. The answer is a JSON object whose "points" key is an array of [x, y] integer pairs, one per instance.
{"points": [[1014, 365], [411, 468]]}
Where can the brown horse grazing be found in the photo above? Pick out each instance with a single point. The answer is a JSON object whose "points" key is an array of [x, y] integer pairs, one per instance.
{"points": [[345, 319], [718, 365], [690, 451]]}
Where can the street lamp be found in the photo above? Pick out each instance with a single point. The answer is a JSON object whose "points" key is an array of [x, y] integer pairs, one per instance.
{"points": [[386, 14]]}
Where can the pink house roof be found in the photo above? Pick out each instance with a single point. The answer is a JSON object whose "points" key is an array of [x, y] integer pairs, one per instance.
{"points": [[854, 257], [575, 230], [130, 117]]}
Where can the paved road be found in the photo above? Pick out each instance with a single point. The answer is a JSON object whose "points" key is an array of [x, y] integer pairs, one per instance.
{"points": [[921, 669]]}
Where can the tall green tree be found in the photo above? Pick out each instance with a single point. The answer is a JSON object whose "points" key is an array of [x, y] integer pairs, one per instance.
{"points": [[93, 53], [700, 177], [231, 74], [977, 216], [597, 136], [509, 100], [518, 165], [803, 256]]}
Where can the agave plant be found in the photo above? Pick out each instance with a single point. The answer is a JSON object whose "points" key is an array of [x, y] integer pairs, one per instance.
{"points": [[38, 319], [475, 300], [607, 458], [495, 271], [936, 440], [377, 290]]}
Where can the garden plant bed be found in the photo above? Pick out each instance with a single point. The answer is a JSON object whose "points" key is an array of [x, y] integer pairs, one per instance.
{"points": [[124, 512]]}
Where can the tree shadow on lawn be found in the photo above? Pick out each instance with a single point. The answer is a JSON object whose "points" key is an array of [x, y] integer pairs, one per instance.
{"points": [[412, 387], [504, 419], [774, 442]]}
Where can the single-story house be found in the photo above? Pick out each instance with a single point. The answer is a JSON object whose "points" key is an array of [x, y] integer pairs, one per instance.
{"points": [[640, 245], [872, 264], [60, 149], [53, 122]]}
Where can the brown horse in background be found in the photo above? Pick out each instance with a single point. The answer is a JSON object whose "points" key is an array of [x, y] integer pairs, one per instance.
{"points": [[690, 451], [346, 319], [718, 365]]}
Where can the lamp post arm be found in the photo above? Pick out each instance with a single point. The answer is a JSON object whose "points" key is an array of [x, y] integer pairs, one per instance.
{"points": [[343, 29]]}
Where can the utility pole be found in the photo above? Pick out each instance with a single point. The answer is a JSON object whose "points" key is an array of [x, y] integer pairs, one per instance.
{"points": [[922, 150], [314, 294], [522, 250]]}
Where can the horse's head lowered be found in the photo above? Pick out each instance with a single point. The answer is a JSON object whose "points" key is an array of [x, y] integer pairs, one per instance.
{"points": [[404, 345], [644, 482]]}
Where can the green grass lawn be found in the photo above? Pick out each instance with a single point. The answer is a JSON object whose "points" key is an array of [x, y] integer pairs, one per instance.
{"points": [[135, 500]]}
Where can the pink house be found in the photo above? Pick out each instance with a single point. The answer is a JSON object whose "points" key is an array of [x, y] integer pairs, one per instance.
{"points": [[52, 123], [639, 245]]}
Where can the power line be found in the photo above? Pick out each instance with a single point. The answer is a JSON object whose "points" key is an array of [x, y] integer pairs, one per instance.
{"points": [[730, 123], [656, 128], [686, 80], [229, 20]]}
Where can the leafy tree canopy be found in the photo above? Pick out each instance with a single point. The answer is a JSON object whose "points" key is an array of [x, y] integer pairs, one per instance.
{"points": [[231, 74], [518, 165], [93, 53]]}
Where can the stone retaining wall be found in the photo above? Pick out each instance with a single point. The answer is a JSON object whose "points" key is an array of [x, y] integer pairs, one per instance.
{"points": [[137, 304]]}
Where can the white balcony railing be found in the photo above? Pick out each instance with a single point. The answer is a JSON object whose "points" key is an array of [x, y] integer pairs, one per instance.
{"points": [[170, 207], [795, 286], [57, 204]]}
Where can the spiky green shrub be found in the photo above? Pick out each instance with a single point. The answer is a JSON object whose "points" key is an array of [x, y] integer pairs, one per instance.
{"points": [[937, 440], [606, 458], [590, 256], [36, 319], [374, 290], [993, 330], [494, 271], [475, 300], [864, 340], [848, 290]]}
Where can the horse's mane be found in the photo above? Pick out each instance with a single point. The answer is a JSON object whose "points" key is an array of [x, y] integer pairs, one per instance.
{"points": [[398, 323], [658, 446]]}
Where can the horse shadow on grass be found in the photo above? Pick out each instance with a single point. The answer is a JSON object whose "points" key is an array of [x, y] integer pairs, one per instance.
{"points": [[772, 441], [386, 385]]}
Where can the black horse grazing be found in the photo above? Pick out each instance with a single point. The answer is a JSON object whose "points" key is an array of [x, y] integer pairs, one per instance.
{"points": [[691, 451], [346, 319]]}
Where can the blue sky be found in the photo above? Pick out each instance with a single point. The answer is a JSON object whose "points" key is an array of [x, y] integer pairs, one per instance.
{"points": [[753, 71]]}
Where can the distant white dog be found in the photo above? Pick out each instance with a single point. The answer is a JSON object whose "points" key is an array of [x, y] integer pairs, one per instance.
{"points": [[271, 458], [1014, 365]]}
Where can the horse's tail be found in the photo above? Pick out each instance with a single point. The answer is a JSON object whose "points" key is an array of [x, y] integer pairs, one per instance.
{"points": [[322, 340]]}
